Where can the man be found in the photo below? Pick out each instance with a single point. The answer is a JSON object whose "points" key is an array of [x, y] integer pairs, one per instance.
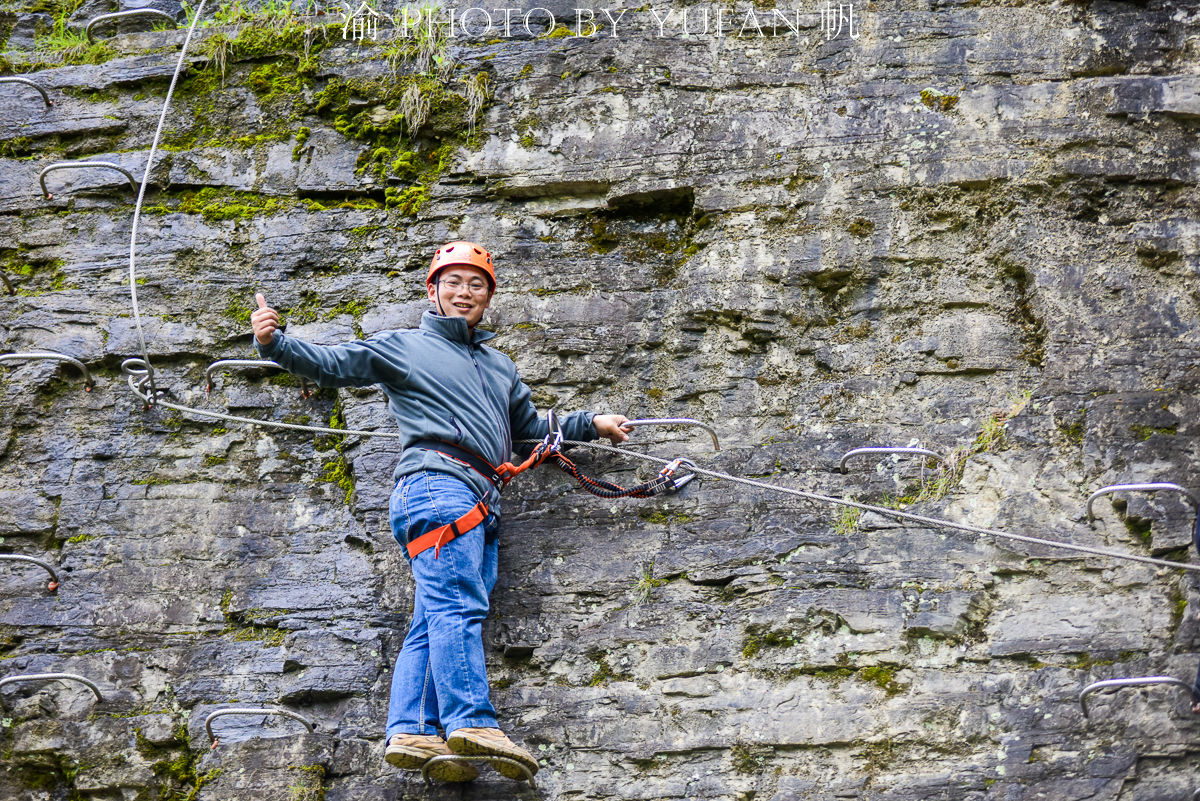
{"points": [[459, 405]]}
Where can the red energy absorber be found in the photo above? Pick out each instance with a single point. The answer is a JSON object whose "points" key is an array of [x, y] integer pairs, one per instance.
{"points": [[664, 482]]}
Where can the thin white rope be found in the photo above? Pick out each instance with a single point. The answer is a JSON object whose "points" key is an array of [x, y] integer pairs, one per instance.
{"points": [[137, 209]]}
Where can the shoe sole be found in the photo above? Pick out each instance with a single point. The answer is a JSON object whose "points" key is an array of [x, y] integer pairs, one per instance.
{"points": [[406, 758], [415, 759], [468, 747], [452, 770]]}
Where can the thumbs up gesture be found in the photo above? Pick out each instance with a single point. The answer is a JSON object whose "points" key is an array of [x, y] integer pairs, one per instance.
{"points": [[264, 321]]}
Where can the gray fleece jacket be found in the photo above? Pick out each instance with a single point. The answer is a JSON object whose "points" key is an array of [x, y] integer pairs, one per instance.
{"points": [[441, 384]]}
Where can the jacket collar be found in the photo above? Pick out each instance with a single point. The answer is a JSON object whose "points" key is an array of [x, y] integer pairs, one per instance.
{"points": [[453, 328]]}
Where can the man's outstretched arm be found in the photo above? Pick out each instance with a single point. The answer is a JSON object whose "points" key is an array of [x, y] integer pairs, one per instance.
{"points": [[354, 364]]}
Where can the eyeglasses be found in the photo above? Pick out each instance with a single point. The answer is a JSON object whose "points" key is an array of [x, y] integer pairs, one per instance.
{"points": [[454, 284]]}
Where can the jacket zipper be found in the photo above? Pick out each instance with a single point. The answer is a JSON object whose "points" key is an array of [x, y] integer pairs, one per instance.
{"points": [[488, 397]]}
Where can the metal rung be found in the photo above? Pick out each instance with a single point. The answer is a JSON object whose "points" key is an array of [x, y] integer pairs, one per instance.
{"points": [[887, 449], [27, 82], [141, 380], [75, 165], [12, 557], [137, 12], [1158, 487], [675, 421], [61, 357], [492, 760], [51, 677], [287, 713], [1116, 684], [305, 391]]}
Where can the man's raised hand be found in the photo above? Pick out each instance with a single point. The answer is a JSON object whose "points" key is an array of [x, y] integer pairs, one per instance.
{"points": [[264, 320]]}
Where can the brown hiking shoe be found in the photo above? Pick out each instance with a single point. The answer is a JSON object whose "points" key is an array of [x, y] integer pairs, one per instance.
{"points": [[492, 742], [412, 751]]}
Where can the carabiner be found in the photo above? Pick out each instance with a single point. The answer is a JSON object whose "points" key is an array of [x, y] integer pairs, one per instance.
{"points": [[553, 441], [678, 483]]}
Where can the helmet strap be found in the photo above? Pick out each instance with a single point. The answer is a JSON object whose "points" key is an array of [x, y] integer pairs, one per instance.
{"points": [[437, 294]]}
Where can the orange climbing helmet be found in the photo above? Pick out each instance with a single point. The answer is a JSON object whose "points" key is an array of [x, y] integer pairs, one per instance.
{"points": [[467, 253]]}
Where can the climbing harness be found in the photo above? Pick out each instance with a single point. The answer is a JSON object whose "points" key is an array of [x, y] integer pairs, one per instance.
{"points": [[548, 449], [137, 12], [306, 387], [287, 713], [675, 421], [79, 165], [53, 677], [88, 382], [1142, 681], [498, 476], [12, 557], [443, 534], [492, 760], [27, 82], [888, 449]]}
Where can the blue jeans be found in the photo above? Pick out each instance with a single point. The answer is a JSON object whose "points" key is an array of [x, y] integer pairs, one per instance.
{"points": [[440, 677]]}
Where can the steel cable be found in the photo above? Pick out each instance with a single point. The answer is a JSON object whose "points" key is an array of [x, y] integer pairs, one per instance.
{"points": [[935, 522], [233, 418]]}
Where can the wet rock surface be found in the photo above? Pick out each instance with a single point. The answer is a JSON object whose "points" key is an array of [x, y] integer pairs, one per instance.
{"points": [[972, 228]]}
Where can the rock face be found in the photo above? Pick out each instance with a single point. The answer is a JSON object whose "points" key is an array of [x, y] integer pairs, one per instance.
{"points": [[971, 228]]}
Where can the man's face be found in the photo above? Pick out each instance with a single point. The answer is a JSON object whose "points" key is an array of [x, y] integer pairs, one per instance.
{"points": [[463, 292]]}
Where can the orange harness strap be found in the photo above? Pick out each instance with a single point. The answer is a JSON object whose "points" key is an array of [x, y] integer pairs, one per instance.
{"points": [[440, 536], [508, 471]]}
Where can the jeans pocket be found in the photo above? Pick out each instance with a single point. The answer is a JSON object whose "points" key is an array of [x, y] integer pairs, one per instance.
{"points": [[398, 511]]}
